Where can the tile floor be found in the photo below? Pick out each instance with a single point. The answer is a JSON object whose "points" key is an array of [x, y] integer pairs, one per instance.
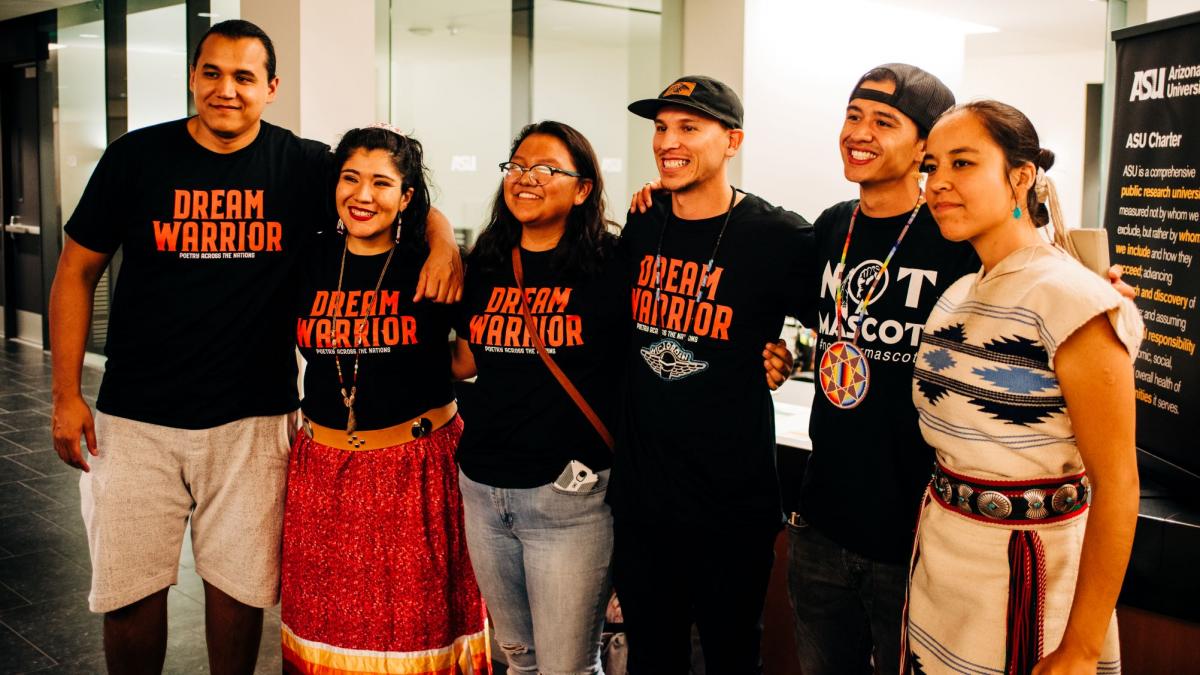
{"points": [[45, 626]]}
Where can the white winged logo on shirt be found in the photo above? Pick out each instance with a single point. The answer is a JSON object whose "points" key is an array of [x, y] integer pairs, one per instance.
{"points": [[670, 361]]}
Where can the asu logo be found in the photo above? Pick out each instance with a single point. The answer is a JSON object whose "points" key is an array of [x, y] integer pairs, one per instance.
{"points": [[670, 361], [1148, 84], [680, 89]]}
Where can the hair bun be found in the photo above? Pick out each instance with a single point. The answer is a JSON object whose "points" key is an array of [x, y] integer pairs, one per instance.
{"points": [[1045, 159]]}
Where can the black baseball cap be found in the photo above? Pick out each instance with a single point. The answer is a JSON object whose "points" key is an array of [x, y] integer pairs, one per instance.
{"points": [[919, 94], [711, 97]]}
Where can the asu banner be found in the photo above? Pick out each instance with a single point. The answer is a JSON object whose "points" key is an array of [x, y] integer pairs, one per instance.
{"points": [[1152, 215]]}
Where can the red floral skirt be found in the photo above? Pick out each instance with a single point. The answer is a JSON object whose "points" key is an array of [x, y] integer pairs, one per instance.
{"points": [[376, 577]]}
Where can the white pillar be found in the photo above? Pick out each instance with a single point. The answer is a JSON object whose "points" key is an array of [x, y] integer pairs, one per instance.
{"points": [[281, 20], [325, 60], [714, 37]]}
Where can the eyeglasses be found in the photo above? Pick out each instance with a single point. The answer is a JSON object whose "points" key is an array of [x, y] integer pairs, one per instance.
{"points": [[539, 174]]}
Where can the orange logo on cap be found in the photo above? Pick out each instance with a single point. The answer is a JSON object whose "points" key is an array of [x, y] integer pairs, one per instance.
{"points": [[680, 89]]}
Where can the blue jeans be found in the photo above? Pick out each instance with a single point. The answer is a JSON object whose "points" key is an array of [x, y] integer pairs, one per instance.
{"points": [[541, 557], [847, 607]]}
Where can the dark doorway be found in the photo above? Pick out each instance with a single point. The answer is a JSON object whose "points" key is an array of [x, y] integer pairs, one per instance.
{"points": [[22, 214]]}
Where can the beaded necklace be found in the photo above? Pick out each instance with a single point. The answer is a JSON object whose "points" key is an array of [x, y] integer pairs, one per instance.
{"points": [[711, 258], [349, 398], [845, 373]]}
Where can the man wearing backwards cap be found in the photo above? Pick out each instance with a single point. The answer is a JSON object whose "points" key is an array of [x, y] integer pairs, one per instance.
{"points": [[851, 540], [694, 492]]}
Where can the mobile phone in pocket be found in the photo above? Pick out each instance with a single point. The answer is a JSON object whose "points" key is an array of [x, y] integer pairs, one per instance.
{"points": [[576, 477]]}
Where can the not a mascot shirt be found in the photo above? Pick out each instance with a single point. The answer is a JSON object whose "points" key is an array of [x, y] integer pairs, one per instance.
{"points": [[524, 428], [200, 331], [402, 346], [698, 439], [869, 465]]}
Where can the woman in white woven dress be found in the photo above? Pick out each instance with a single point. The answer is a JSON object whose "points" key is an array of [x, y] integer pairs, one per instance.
{"points": [[1024, 386]]}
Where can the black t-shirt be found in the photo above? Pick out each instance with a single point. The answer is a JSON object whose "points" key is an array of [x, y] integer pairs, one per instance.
{"points": [[698, 440], [401, 345], [863, 484], [200, 327], [525, 428]]}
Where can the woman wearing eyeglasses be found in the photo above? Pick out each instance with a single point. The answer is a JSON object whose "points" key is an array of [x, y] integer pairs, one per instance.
{"points": [[533, 468], [534, 457]]}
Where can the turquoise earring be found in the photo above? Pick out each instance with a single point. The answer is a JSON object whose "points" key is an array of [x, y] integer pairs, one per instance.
{"points": [[1017, 213]]}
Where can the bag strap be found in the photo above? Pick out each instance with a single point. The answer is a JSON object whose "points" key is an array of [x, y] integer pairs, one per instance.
{"points": [[559, 375]]}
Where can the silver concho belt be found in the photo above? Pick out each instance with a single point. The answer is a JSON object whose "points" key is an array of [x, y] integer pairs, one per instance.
{"points": [[1020, 501]]}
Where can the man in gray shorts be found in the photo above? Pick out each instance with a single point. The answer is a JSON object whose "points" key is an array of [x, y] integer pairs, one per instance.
{"points": [[199, 392]]}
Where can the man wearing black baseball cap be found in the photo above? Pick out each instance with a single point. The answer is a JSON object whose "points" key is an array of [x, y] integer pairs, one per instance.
{"points": [[699, 93], [851, 540], [694, 490]]}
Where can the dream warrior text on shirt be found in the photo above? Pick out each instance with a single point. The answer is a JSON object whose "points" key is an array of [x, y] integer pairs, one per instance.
{"points": [[200, 332], [523, 428], [698, 440]]}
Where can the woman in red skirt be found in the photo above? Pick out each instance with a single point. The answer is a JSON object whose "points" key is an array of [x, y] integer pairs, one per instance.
{"points": [[376, 577]]}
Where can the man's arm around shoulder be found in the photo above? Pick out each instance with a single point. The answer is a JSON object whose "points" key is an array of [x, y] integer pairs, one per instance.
{"points": [[71, 296], [441, 277]]}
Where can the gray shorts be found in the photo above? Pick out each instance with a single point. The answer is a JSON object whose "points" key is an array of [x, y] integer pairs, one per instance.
{"points": [[149, 480]]}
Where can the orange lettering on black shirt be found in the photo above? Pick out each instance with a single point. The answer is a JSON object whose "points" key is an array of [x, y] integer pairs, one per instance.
{"points": [[681, 303], [502, 323]]}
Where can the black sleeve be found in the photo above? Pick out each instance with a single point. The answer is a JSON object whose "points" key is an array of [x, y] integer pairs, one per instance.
{"points": [[617, 281], [305, 277], [622, 248], [800, 273], [812, 262], [461, 311], [447, 318], [318, 183], [97, 221], [641, 225]]}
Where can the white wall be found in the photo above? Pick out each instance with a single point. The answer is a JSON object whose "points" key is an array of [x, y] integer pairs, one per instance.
{"points": [[572, 38], [281, 20], [714, 44], [802, 60], [157, 63], [337, 60], [452, 89], [1051, 89], [801, 63], [1164, 9], [222, 10], [325, 60]]}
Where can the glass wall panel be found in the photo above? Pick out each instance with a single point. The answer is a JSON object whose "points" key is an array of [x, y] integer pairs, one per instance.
{"points": [[223, 10], [451, 65], [81, 128], [589, 61], [463, 75], [157, 63]]}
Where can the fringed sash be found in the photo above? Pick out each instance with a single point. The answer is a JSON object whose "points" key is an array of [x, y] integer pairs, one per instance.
{"points": [[1026, 602]]}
